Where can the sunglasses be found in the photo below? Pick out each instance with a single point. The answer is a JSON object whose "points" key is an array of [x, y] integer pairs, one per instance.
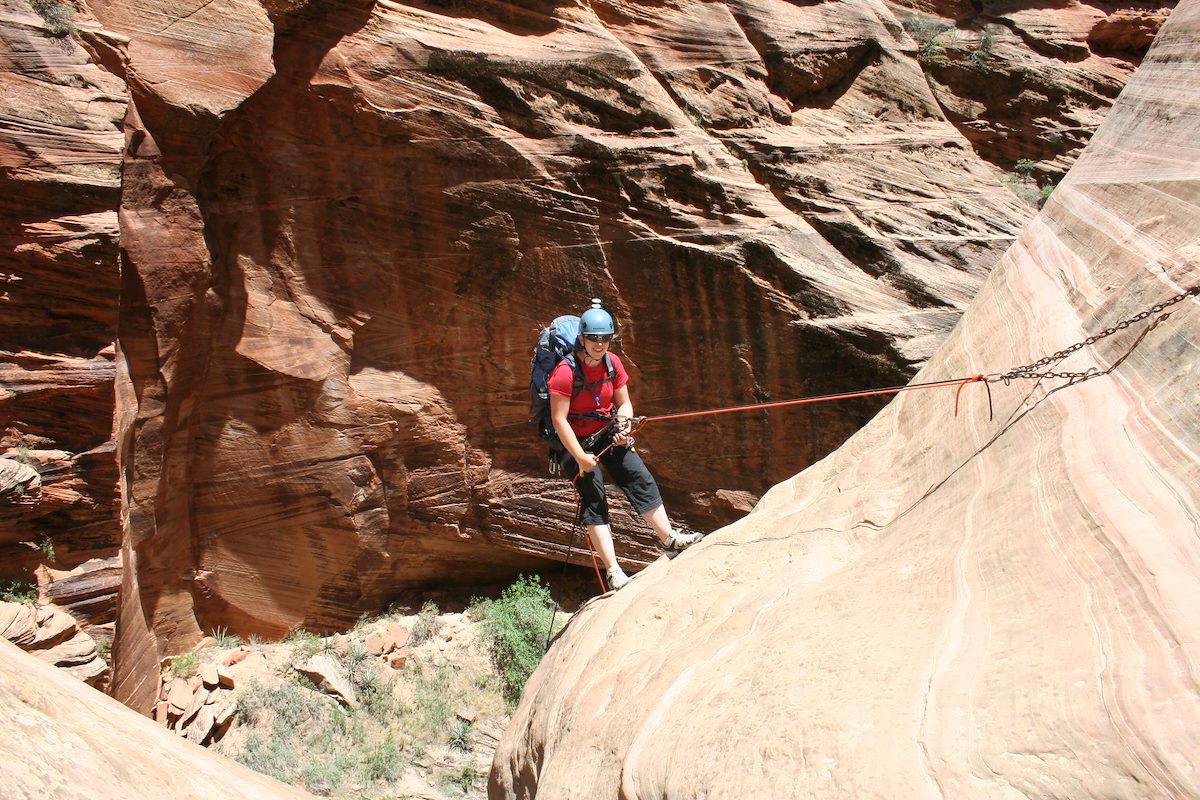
{"points": [[598, 337]]}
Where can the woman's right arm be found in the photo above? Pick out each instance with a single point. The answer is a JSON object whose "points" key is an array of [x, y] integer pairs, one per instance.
{"points": [[559, 407]]}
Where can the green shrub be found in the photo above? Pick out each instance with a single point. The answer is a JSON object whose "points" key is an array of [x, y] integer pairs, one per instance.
{"points": [[104, 647], [930, 35], [462, 779], [383, 762], [18, 591], [1024, 185], [268, 756], [517, 626], [307, 644], [460, 736], [46, 545], [57, 16], [984, 48], [321, 777], [185, 665], [431, 695]]}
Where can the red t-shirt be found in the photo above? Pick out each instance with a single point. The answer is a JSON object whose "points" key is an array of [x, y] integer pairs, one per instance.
{"points": [[598, 398]]}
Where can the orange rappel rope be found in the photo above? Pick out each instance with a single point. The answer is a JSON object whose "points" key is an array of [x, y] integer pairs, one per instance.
{"points": [[959, 382]]}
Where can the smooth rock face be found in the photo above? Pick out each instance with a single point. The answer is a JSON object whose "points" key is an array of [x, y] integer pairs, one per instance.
{"points": [[947, 606], [65, 740]]}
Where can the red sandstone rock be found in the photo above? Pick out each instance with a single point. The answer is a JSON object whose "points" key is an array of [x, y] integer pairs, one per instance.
{"points": [[400, 634], [237, 656], [330, 677], [379, 644], [224, 678], [209, 676], [944, 603], [60, 145], [807, 207], [179, 695], [54, 636], [18, 623]]}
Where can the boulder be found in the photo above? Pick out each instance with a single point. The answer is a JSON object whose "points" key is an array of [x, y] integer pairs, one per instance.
{"points": [[330, 677]]}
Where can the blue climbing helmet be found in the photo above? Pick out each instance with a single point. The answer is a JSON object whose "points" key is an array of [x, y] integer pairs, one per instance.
{"points": [[596, 320]]}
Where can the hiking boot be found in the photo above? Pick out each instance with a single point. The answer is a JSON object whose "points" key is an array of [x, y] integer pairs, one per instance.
{"points": [[617, 578], [678, 540]]}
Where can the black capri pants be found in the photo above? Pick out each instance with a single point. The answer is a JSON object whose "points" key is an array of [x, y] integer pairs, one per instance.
{"points": [[627, 471]]}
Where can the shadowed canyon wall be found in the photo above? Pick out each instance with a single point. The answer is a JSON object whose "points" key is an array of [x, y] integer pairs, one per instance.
{"points": [[60, 151], [947, 607], [341, 225]]}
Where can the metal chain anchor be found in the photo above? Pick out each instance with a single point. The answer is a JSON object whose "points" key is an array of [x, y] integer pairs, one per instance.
{"points": [[1030, 370]]}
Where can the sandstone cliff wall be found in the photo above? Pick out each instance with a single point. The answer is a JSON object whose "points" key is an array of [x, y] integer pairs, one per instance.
{"points": [[60, 149], [341, 225], [947, 607]]}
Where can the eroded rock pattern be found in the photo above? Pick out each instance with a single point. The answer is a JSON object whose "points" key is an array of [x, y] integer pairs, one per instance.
{"points": [[60, 152], [947, 607], [341, 225], [53, 636]]}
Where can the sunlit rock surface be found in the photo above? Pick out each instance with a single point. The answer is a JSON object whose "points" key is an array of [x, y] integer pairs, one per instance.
{"points": [[63, 739], [947, 606]]}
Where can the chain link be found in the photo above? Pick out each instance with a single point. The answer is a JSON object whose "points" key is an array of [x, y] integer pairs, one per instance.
{"points": [[1031, 370]]}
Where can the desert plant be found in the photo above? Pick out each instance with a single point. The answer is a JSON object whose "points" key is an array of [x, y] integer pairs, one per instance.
{"points": [[426, 626], [930, 35], [185, 665], [307, 644], [104, 646], [1044, 194], [383, 761], [355, 659], [516, 625], [321, 777], [462, 779], [984, 48], [18, 591], [46, 545], [460, 736], [268, 756], [57, 16], [1024, 167], [431, 694], [223, 639]]}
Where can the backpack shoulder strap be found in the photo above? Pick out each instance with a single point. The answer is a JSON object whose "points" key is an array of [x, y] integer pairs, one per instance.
{"points": [[609, 378]]}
